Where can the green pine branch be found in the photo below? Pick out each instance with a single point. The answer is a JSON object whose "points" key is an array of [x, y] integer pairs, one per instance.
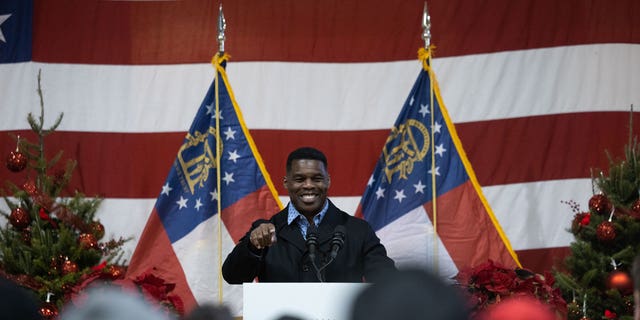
{"points": [[38, 253]]}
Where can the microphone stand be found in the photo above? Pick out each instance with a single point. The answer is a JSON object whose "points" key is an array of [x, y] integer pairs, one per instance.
{"points": [[312, 246]]}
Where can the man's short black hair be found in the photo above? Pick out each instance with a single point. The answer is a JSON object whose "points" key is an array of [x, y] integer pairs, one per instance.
{"points": [[308, 153]]}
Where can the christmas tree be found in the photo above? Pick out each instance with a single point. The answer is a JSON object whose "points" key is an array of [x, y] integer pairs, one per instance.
{"points": [[52, 244], [595, 278]]}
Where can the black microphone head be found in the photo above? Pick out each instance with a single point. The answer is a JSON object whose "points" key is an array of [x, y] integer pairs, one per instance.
{"points": [[341, 230], [338, 236], [312, 235], [338, 240]]}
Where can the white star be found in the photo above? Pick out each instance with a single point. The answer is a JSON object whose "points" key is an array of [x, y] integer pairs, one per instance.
{"points": [[436, 127], [219, 114], [166, 189], [214, 195], [233, 156], [379, 193], [228, 177], [230, 134], [209, 108], [424, 110], [399, 195], [419, 187], [371, 180], [3, 18], [412, 100], [182, 203], [440, 149], [198, 204], [437, 171]]}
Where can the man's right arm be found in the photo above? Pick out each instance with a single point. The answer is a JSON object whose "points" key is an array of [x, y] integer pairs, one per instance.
{"points": [[244, 262]]}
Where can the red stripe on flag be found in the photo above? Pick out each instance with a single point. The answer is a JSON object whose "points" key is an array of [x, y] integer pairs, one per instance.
{"points": [[163, 262], [457, 229], [239, 216], [551, 147], [540, 260], [160, 32]]}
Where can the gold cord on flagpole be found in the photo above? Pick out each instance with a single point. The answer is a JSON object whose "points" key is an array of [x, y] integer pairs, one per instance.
{"points": [[436, 242], [425, 55], [218, 58], [218, 182]]}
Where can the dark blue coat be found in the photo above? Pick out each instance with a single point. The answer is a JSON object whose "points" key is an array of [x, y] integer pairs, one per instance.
{"points": [[362, 258]]}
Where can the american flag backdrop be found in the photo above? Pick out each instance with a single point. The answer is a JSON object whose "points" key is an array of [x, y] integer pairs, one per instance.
{"points": [[537, 89]]}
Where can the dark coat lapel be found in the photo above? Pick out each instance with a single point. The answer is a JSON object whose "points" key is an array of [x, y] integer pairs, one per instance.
{"points": [[290, 233]]}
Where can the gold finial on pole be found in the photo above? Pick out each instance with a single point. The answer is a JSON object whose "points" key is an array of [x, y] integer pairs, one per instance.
{"points": [[222, 25], [426, 27]]}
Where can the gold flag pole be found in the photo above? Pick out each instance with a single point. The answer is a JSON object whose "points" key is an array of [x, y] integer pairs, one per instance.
{"points": [[426, 36], [222, 25]]}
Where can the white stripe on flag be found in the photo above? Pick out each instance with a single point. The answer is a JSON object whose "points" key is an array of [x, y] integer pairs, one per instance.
{"points": [[198, 252], [164, 98], [416, 229]]}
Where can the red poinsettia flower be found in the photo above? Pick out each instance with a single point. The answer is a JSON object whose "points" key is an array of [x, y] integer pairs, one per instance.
{"points": [[490, 283], [610, 314]]}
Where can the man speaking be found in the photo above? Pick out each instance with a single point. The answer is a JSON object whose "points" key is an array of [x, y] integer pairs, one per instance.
{"points": [[310, 240]]}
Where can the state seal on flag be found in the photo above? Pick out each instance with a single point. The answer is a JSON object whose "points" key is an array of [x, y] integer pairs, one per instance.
{"points": [[195, 158], [408, 143]]}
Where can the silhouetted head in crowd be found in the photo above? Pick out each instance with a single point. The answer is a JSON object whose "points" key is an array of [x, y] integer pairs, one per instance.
{"points": [[209, 312], [17, 302], [410, 294], [519, 308], [104, 303], [288, 317]]}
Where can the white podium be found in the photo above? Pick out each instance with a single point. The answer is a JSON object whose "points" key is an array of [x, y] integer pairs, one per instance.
{"points": [[309, 301]]}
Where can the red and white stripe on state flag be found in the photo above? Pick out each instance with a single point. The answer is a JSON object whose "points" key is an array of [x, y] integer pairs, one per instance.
{"points": [[217, 169], [537, 91], [423, 193]]}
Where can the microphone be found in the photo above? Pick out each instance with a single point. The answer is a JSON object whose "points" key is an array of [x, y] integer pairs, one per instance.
{"points": [[312, 245], [338, 240], [312, 242]]}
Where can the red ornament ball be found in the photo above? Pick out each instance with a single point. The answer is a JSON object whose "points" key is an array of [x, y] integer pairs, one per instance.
{"points": [[115, 272], [606, 231], [87, 241], [69, 266], [600, 204], [49, 311], [19, 218], [97, 229], [16, 161], [620, 280]]}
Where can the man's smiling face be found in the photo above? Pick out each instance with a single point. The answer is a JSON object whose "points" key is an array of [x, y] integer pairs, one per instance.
{"points": [[307, 183]]}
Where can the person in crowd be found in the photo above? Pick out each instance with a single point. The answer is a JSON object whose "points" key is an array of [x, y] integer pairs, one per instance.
{"points": [[17, 302], [410, 294], [107, 303], [519, 308], [209, 311], [310, 240]]}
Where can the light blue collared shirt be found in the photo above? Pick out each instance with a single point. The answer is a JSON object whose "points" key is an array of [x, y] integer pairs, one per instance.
{"points": [[303, 223]]}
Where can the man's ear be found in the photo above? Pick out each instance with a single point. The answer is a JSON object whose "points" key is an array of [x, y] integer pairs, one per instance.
{"points": [[284, 182], [328, 181]]}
